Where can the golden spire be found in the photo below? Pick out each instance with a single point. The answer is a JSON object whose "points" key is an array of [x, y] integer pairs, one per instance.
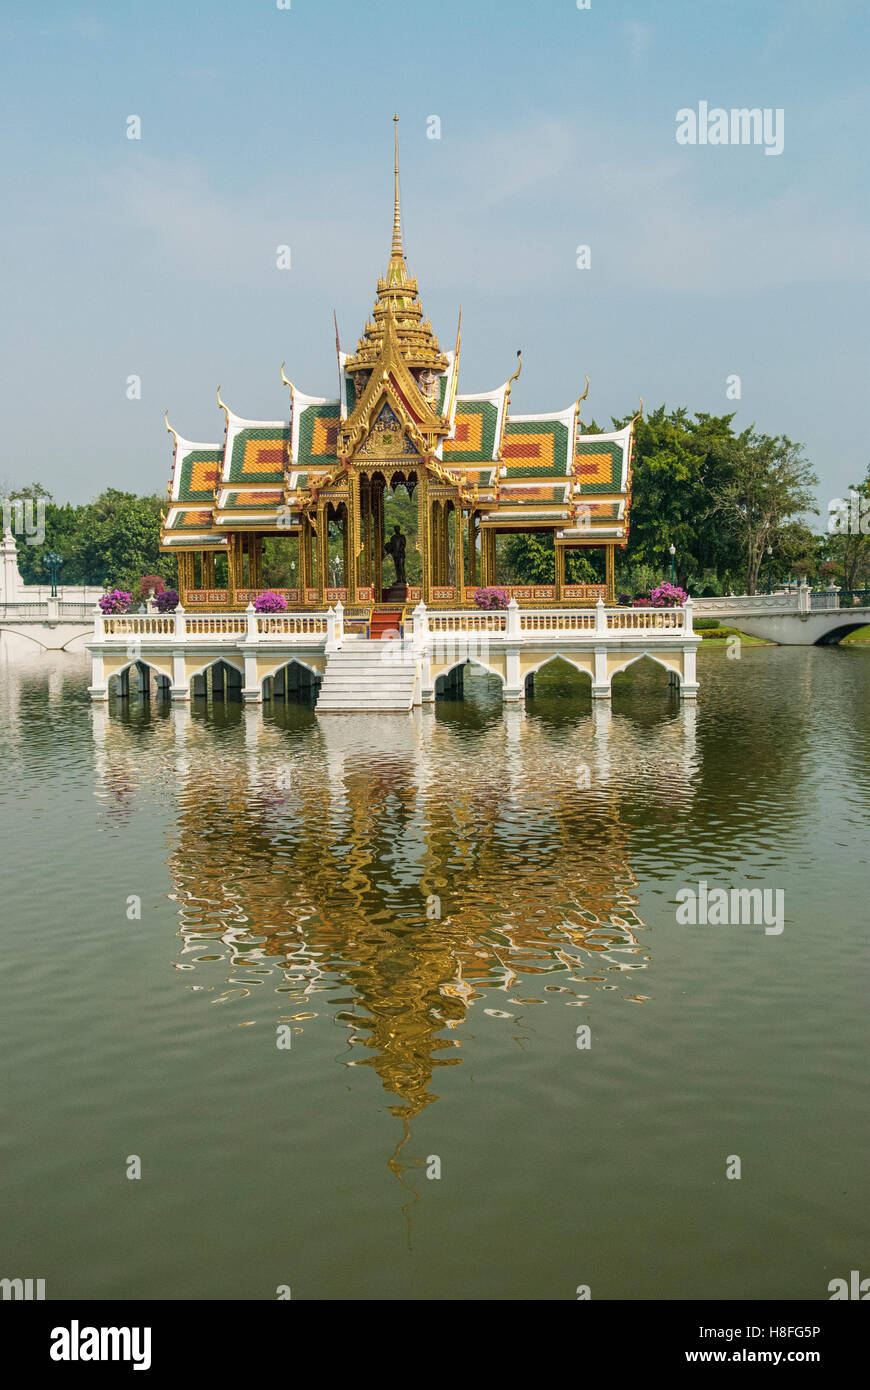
{"points": [[417, 343], [397, 252]]}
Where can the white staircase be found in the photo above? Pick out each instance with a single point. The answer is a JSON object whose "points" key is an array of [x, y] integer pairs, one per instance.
{"points": [[366, 675]]}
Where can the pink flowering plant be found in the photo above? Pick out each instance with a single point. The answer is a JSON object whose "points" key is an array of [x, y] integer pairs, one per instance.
{"points": [[667, 595], [490, 599], [270, 603], [116, 601]]}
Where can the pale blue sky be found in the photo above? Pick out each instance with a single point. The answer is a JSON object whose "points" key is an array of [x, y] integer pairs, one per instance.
{"points": [[263, 127]]}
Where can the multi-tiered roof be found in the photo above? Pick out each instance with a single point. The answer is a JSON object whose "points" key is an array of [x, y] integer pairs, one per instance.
{"points": [[398, 394]]}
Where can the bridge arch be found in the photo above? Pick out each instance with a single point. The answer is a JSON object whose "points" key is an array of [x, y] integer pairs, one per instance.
{"points": [[449, 681], [118, 683], [555, 658], [223, 666], [675, 676], [285, 682], [37, 633], [835, 635]]}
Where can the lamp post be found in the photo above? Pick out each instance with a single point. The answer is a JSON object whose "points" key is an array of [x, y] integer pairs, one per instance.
{"points": [[769, 569], [672, 550], [52, 562]]}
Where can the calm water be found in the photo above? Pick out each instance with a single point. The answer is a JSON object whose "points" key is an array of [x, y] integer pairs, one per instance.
{"points": [[432, 905]]}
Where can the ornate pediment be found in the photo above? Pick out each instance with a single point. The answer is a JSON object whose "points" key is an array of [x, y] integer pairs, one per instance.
{"points": [[387, 437]]}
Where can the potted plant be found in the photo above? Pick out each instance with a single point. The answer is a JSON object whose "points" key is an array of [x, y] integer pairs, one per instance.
{"points": [[491, 599], [167, 601], [116, 601], [270, 603], [667, 595]]}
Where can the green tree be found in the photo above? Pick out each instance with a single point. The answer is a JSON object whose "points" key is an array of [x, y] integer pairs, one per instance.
{"points": [[117, 539], [766, 485], [679, 463], [849, 549]]}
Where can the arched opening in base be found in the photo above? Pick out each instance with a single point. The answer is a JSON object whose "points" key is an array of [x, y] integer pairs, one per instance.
{"points": [[644, 677], [557, 678], [219, 681], [468, 681], [140, 681], [294, 683], [836, 635]]}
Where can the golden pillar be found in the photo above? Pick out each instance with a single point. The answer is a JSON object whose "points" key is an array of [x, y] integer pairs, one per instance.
{"points": [[366, 504], [459, 551], [354, 533], [560, 570], [232, 567], [487, 556], [300, 572], [472, 548], [255, 561], [322, 552], [445, 542], [378, 540], [435, 562], [306, 569], [610, 573], [345, 549], [182, 567], [423, 533], [208, 579]]}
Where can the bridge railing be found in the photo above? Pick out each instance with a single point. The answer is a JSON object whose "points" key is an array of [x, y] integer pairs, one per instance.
{"points": [[73, 610], [208, 627], [214, 625], [646, 620], [290, 624], [744, 603], [134, 625], [26, 612], [541, 622], [465, 620]]}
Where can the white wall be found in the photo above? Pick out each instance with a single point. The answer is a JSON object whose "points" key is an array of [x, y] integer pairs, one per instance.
{"points": [[13, 590]]}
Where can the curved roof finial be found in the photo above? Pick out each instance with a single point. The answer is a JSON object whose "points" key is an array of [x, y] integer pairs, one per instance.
{"points": [[640, 412], [585, 393], [223, 407], [513, 378], [287, 382], [169, 428]]}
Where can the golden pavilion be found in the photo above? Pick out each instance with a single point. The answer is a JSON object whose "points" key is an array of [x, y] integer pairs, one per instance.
{"points": [[474, 471]]}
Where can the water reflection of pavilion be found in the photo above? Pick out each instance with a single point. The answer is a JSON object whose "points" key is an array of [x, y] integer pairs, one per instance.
{"points": [[397, 874]]}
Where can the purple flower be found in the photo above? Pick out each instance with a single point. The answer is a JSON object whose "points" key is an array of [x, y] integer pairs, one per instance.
{"points": [[166, 601], [490, 599], [667, 595], [115, 602], [270, 603]]}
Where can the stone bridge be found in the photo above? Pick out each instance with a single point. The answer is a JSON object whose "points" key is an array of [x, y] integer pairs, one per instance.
{"points": [[55, 624], [803, 619]]}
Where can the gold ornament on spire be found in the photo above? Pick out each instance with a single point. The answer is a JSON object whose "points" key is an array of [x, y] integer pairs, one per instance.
{"points": [[416, 343], [397, 252]]}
